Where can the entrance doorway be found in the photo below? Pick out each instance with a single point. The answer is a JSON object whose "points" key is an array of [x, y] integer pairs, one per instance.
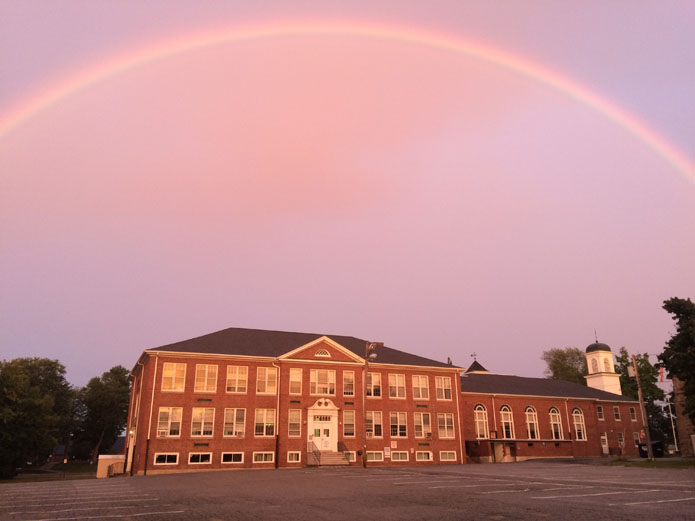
{"points": [[604, 444], [323, 425]]}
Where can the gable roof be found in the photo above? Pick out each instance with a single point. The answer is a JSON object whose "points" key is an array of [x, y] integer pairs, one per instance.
{"points": [[476, 366], [521, 385], [273, 344]]}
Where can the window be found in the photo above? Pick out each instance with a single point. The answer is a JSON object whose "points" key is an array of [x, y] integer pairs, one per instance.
{"points": [[266, 380], [265, 423], [263, 457], [578, 420], [635, 438], [399, 456], [234, 423], [396, 386], [621, 439], [351, 455], [421, 387], [481, 426], [173, 377], [322, 382], [594, 366], [169, 424], [448, 455], [237, 376], [507, 420], [202, 421], [375, 456], [349, 424], [423, 456], [399, 428], [633, 414], [599, 412], [199, 458], [445, 423], [232, 457], [555, 423], [295, 380], [443, 384], [322, 353], [422, 424], [607, 365], [374, 384], [374, 424], [294, 429], [348, 383], [616, 413], [205, 378], [532, 423], [166, 458], [294, 457]]}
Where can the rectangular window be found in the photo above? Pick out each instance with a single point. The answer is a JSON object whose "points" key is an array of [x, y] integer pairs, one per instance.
{"points": [[351, 455], [234, 423], [322, 382], [295, 380], [399, 427], [237, 376], [374, 424], [443, 384], [232, 457], [423, 456], [294, 457], [375, 456], [421, 387], [202, 421], [205, 378], [633, 414], [446, 425], [448, 455], [348, 383], [169, 424], [422, 424], [616, 413], [263, 457], [399, 456], [396, 386], [599, 412], [635, 438], [266, 380], [349, 424], [621, 439], [294, 429], [199, 458], [173, 376], [265, 423], [374, 385], [166, 458]]}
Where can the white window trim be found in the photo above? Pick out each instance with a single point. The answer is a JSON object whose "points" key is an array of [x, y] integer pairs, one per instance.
{"points": [[354, 424], [443, 387], [174, 390], [424, 429], [371, 388], [207, 370], [481, 411], [202, 423], [453, 426], [272, 460], [417, 454], [633, 414], [288, 424], [600, 413], [243, 431], [583, 425], [447, 452], [294, 452], [331, 378], [353, 383], [231, 462], [167, 435], [351, 455], [381, 423], [617, 417], [399, 424], [275, 422], [427, 386], [378, 453], [268, 371], [407, 455], [199, 462], [226, 384], [397, 376], [154, 461], [531, 411], [301, 375]]}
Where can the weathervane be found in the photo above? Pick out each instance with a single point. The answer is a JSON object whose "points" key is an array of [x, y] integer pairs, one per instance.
{"points": [[474, 355]]}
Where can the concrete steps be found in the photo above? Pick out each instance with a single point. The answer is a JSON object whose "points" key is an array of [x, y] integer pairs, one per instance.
{"points": [[333, 459]]}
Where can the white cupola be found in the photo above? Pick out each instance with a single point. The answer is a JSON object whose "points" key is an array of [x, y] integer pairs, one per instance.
{"points": [[602, 375]]}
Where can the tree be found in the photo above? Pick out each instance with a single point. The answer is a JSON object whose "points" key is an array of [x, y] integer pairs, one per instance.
{"points": [[35, 410], [679, 353], [566, 364], [103, 409]]}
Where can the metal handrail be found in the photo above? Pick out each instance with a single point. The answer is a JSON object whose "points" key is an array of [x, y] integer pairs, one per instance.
{"points": [[314, 450]]}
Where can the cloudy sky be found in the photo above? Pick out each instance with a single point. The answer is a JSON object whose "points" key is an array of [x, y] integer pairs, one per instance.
{"points": [[446, 177]]}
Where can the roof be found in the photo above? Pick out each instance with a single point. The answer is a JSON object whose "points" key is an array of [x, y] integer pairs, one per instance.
{"points": [[597, 346], [476, 366], [521, 385], [260, 342]]}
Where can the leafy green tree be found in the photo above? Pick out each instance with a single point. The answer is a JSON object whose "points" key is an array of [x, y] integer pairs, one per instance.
{"points": [[679, 353], [103, 410], [566, 364]]}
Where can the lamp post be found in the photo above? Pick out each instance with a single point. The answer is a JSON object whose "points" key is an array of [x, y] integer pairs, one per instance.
{"points": [[368, 354]]}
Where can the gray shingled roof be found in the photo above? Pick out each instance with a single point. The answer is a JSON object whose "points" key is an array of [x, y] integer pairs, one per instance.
{"points": [[507, 384], [260, 342]]}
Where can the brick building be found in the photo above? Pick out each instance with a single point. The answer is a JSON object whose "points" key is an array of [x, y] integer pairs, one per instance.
{"points": [[244, 398]]}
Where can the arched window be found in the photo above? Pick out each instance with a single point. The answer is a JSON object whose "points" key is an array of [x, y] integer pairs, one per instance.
{"points": [[594, 366], [481, 426], [555, 423], [606, 365], [578, 420], [322, 353], [507, 420], [532, 423]]}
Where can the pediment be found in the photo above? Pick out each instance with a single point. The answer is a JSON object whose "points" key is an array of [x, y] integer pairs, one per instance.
{"points": [[323, 349]]}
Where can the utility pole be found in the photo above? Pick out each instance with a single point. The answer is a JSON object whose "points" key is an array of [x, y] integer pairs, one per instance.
{"points": [[368, 354], [645, 427]]}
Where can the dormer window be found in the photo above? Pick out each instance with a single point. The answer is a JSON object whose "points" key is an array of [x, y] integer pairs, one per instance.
{"points": [[322, 353]]}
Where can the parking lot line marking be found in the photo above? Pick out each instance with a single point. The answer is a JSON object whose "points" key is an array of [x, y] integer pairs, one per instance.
{"points": [[76, 494], [73, 502], [659, 501], [64, 510], [76, 499], [601, 493], [572, 487], [476, 485], [113, 515], [505, 491], [424, 481]]}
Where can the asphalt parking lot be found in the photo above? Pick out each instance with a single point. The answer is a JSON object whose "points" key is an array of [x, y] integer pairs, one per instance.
{"points": [[531, 490]]}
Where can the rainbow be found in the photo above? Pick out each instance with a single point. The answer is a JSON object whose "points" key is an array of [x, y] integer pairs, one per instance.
{"points": [[73, 83]]}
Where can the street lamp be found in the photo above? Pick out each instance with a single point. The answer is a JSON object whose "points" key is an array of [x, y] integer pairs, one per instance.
{"points": [[368, 355]]}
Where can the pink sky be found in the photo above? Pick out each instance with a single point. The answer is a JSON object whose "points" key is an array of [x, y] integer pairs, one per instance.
{"points": [[348, 185]]}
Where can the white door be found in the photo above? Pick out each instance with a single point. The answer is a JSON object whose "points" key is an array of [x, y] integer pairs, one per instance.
{"points": [[324, 434], [604, 443]]}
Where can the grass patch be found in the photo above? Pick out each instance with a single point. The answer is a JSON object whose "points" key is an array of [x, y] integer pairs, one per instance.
{"points": [[73, 467], [658, 463]]}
